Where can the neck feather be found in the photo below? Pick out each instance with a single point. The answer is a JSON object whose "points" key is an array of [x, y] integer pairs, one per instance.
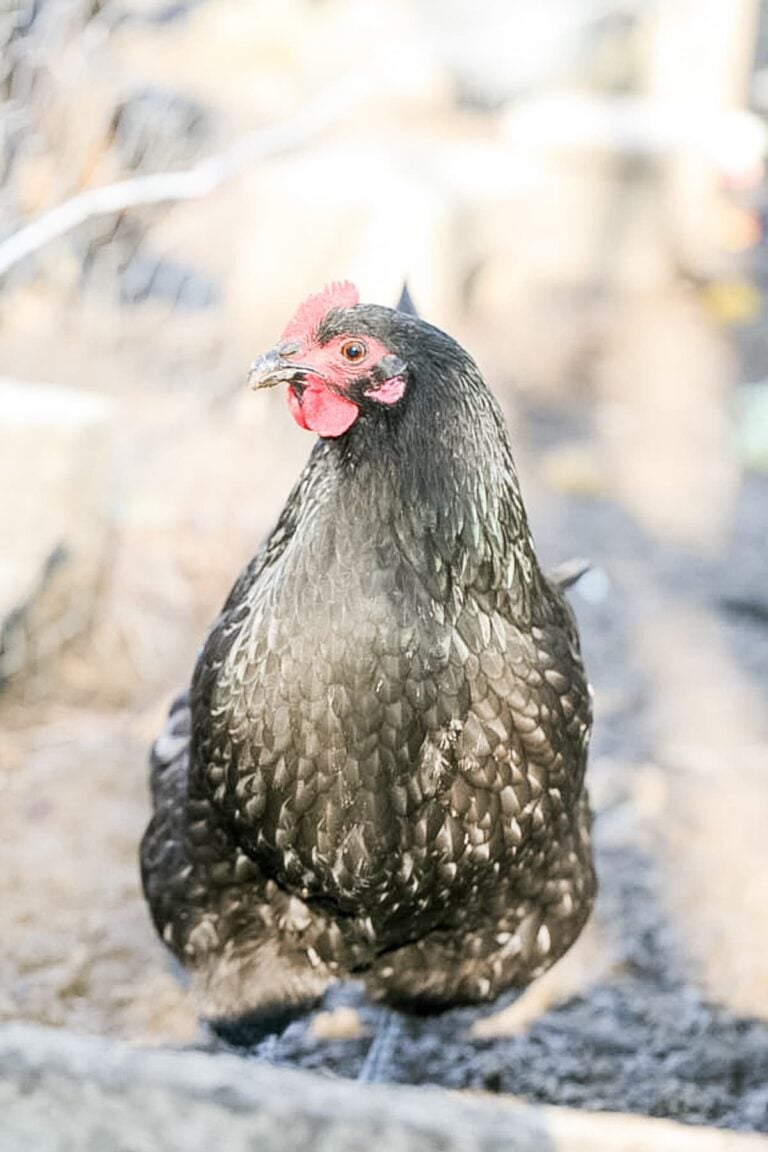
{"points": [[441, 480]]}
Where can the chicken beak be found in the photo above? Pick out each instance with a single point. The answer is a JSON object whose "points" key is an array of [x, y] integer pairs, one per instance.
{"points": [[269, 370], [278, 367]]}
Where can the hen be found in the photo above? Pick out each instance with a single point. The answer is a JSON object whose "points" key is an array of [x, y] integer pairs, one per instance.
{"points": [[379, 767]]}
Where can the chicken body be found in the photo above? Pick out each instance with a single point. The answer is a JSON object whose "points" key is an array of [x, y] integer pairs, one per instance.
{"points": [[379, 768]]}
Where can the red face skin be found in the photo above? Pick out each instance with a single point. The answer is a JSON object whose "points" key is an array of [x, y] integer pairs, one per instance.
{"points": [[321, 403]]}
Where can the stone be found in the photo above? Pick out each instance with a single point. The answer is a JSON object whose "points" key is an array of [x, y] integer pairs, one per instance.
{"points": [[60, 1092], [54, 499]]}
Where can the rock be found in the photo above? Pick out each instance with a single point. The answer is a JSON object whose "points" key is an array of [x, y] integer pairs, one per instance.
{"points": [[65, 1093], [53, 516]]}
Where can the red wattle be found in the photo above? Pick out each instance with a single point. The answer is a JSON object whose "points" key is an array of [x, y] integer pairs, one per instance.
{"points": [[321, 410]]}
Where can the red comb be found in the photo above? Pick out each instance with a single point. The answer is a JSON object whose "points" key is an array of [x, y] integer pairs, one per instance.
{"points": [[310, 315]]}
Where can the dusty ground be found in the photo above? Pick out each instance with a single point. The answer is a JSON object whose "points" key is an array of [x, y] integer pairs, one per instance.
{"points": [[663, 1007]]}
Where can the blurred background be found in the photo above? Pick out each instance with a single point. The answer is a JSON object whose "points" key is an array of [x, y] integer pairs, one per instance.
{"points": [[576, 190]]}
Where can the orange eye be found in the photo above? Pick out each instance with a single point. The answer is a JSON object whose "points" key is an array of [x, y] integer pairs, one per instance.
{"points": [[354, 351]]}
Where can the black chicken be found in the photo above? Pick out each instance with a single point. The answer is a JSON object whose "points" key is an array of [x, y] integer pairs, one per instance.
{"points": [[379, 768]]}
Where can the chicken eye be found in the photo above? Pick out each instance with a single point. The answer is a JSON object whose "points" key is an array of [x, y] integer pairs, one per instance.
{"points": [[353, 350]]}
